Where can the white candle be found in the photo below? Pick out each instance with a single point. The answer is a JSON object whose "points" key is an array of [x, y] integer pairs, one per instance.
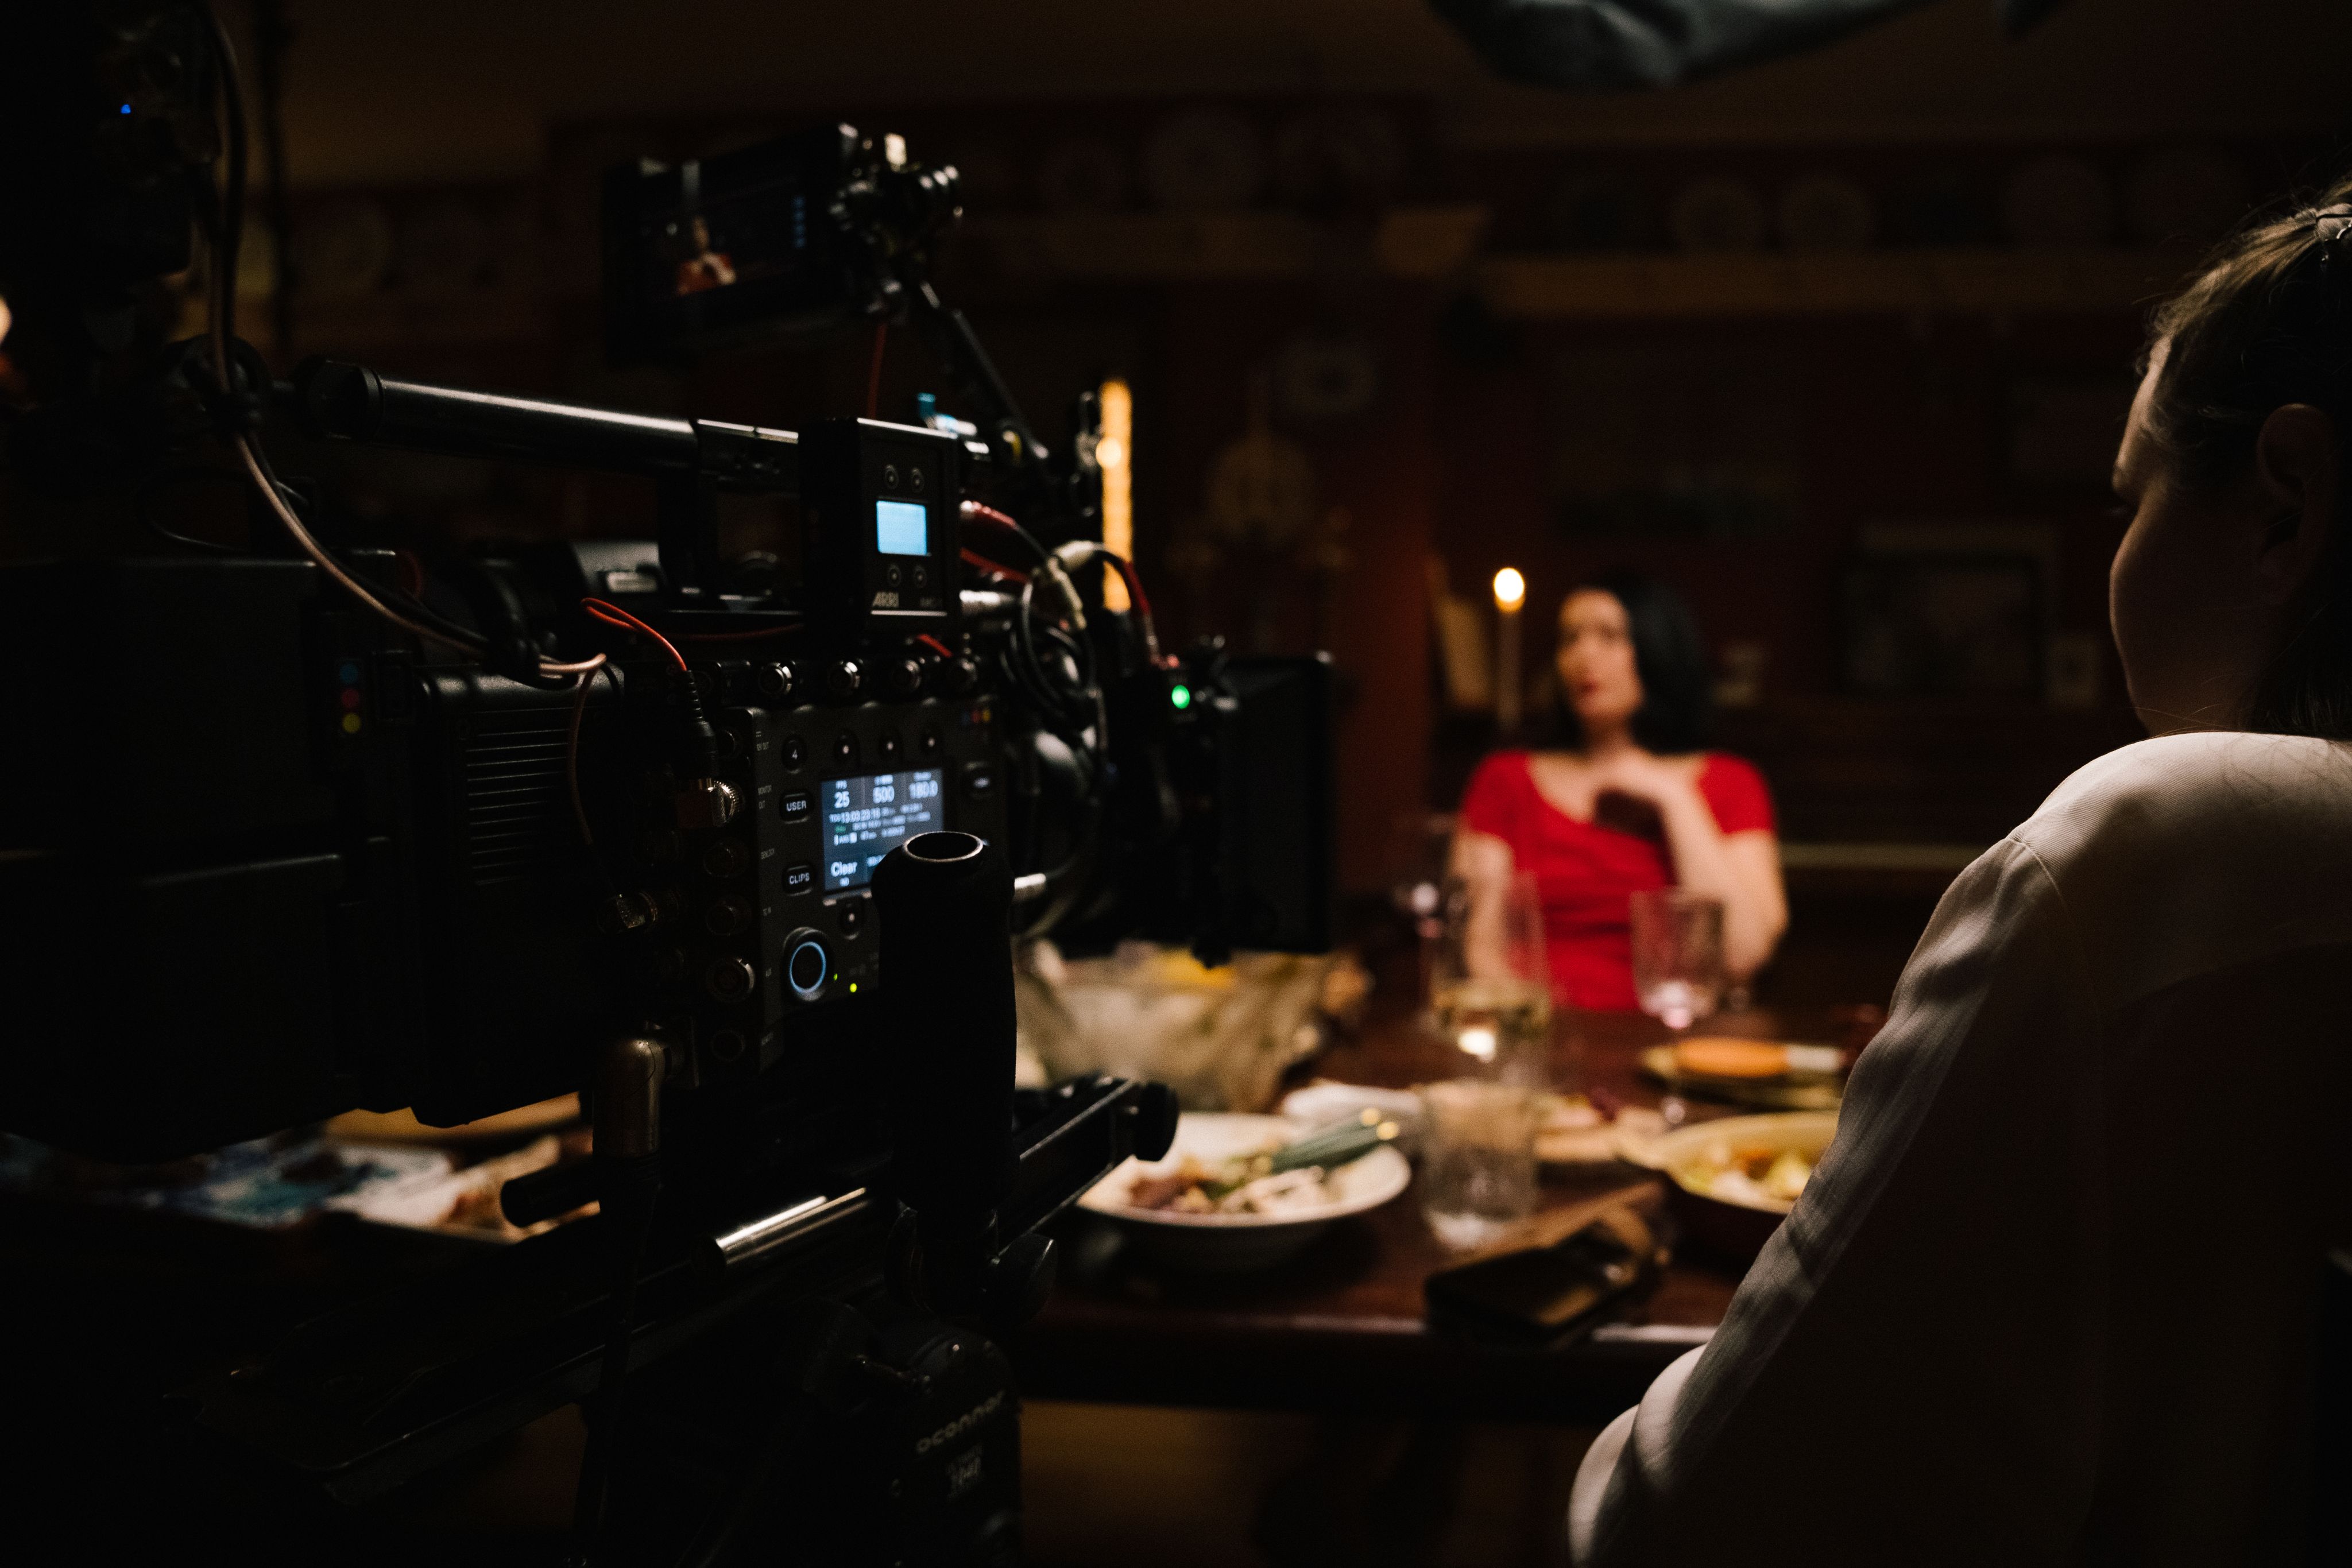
{"points": [[1511, 593]]}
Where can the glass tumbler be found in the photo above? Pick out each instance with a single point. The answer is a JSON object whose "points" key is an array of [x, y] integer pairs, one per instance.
{"points": [[1478, 1159]]}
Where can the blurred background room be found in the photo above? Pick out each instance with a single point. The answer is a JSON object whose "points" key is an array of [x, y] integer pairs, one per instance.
{"points": [[1390, 353]]}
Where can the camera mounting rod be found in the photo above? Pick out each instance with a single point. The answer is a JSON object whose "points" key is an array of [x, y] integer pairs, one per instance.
{"points": [[690, 460]]}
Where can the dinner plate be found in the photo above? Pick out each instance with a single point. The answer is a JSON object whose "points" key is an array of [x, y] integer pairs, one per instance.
{"points": [[1809, 1087], [1734, 1228], [1233, 1243]]}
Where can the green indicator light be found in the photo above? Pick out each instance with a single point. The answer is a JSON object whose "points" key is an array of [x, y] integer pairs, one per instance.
{"points": [[1181, 696]]}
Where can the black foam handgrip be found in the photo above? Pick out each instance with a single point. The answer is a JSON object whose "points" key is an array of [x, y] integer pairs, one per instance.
{"points": [[944, 906]]}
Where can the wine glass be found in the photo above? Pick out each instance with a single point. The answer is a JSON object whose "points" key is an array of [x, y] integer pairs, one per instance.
{"points": [[1490, 982], [1677, 954]]}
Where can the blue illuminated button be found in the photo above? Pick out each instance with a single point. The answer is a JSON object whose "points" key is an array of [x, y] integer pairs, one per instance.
{"points": [[348, 674], [800, 878], [795, 806], [807, 966]]}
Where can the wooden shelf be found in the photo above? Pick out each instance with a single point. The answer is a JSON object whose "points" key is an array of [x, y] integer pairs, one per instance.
{"points": [[1169, 247], [1904, 282]]}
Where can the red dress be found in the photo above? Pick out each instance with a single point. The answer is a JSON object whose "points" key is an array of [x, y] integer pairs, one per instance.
{"points": [[1587, 873]]}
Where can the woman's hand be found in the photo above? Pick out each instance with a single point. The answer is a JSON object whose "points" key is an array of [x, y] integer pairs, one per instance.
{"points": [[1641, 775], [1743, 869]]}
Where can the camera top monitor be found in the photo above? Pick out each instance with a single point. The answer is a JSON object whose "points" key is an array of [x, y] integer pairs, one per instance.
{"points": [[789, 236]]}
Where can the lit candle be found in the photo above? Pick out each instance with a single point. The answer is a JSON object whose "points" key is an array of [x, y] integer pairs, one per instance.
{"points": [[1511, 593], [1114, 455]]}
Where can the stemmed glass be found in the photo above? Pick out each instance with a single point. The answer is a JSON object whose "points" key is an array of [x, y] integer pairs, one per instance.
{"points": [[1677, 954], [1490, 981]]}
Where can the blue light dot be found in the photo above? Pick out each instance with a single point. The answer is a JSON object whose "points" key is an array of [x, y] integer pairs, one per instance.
{"points": [[351, 674], [126, 109]]}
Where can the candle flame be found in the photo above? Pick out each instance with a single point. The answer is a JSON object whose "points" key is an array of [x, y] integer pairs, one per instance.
{"points": [[1511, 590]]}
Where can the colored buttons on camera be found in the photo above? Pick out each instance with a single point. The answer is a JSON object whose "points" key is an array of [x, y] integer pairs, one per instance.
{"points": [[348, 700]]}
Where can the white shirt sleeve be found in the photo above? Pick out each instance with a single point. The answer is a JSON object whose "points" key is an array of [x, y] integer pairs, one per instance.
{"points": [[1939, 1282]]}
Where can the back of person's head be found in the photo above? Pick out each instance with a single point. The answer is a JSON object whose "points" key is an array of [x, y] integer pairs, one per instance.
{"points": [[1677, 711], [2268, 323]]}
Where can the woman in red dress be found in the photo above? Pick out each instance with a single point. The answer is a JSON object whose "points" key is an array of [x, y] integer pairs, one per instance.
{"points": [[1628, 799]]}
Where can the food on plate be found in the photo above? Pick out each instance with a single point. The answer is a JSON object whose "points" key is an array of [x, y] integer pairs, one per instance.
{"points": [[1591, 1128], [1246, 1184], [1757, 1175], [1713, 1056]]}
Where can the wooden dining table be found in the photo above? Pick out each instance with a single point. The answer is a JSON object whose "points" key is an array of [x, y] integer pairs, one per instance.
{"points": [[1340, 1327]]}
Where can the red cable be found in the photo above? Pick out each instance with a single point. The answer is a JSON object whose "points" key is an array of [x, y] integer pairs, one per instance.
{"points": [[934, 645], [973, 557], [980, 513], [614, 615], [1134, 584]]}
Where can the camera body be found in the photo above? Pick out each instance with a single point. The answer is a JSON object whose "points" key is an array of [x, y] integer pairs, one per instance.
{"points": [[308, 870], [291, 828]]}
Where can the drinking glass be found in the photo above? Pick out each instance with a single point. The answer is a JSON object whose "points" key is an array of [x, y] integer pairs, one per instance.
{"points": [[1490, 985], [1677, 954], [1478, 1159]]}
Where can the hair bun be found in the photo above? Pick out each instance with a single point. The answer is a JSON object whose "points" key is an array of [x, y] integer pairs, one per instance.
{"points": [[2328, 224]]}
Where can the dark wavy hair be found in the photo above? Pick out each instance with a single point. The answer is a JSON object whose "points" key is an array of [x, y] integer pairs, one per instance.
{"points": [[1677, 711], [2267, 323]]}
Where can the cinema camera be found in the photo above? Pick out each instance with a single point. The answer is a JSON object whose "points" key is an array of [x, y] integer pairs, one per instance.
{"points": [[741, 855]]}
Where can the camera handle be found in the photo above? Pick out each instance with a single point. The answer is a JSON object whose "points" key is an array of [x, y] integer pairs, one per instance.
{"points": [[943, 906], [626, 1168]]}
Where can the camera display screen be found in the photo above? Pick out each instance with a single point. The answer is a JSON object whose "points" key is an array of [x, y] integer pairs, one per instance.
{"points": [[902, 527], [865, 819]]}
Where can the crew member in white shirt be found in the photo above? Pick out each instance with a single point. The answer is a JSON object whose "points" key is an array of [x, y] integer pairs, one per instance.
{"points": [[2052, 1296]]}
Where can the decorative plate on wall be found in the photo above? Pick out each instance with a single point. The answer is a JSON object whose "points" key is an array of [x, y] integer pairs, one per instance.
{"points": [[2061, 202], [1084, 175], [1719, 215], [2184, 194], [1205, 159], [1827, 211]]}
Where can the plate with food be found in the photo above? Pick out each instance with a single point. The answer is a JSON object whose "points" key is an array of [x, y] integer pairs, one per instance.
{"points": [[1732, 1181], [1592, 1129], [1237, 1192], [1767, 1073]]}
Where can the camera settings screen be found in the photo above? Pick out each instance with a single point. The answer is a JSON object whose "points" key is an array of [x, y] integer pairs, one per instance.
{"points": [[865, 819]]}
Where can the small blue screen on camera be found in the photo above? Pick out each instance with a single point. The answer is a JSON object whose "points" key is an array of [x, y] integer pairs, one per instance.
{"points": [[902, 527]]}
